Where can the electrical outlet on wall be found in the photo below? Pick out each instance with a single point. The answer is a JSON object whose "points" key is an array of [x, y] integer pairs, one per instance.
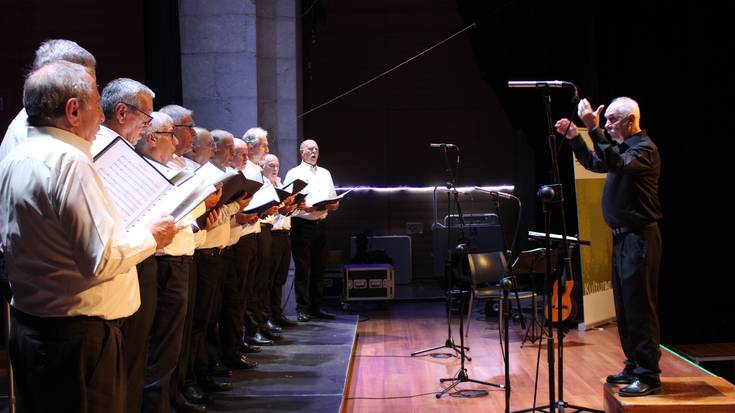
{"points": [[414, 228]]}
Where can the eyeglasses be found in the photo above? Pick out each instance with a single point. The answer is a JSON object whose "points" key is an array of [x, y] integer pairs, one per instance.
{"points": [[170, 134], [612, 122], [192, 126], [148, 118]]}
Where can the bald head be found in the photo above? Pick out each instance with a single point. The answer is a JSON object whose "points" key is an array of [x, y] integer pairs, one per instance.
{"points": [[202, 147], [223, 142], [623, 118], [239, 154], [64, 95], [309, 151]]}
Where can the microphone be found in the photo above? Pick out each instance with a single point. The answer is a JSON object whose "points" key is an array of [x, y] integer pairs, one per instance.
{"points": [[502, 195], [539, 83], [442, 145]]}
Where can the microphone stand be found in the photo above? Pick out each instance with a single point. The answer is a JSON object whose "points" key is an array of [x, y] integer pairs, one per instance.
{"points": [[462, 376], [554, 194], [451, 191]]}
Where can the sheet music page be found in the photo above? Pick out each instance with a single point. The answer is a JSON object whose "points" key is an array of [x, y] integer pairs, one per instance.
{"points": [[133, 184], [263, 199]]}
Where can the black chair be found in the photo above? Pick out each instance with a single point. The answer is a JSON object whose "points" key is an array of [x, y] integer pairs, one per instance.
{"points": [[487, 269]]}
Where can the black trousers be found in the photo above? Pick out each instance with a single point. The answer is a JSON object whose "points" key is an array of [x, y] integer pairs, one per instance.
{"points": [[263, 279], [231, 313], [246, 264], [136, 331], [280, 261], [210, 267], [168, 328], [309, 249], [635, 271], [184, 368], [67, 364]]}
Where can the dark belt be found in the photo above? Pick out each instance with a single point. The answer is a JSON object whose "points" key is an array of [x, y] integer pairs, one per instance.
{"points": [[628, 229], [176, 258], [279, 232], [303, 221], [265, 224], [61, 323], [213, 252]]}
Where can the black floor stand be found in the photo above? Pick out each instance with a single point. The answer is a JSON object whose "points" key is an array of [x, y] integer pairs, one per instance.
{"points": [[462, 376], [535, 331], [554, 195], [459, 349], [449, 343]]}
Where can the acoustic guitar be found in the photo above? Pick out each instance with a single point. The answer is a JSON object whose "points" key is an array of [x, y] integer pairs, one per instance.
{"points": [[568, 306]]}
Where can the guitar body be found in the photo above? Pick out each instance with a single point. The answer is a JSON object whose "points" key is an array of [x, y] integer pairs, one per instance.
{"points": [[568, 306]]}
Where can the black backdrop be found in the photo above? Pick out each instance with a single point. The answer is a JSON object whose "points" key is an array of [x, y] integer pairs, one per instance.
{"points": [[673, 60]]}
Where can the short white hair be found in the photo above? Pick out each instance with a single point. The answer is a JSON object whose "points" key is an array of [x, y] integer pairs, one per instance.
{"points": [[62, 49], [122, 90], [252, 135], [176, 112]]}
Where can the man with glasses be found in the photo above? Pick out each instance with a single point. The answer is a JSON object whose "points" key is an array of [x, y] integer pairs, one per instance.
{"points": [[631, 207], [127, 105], [184, 131]]}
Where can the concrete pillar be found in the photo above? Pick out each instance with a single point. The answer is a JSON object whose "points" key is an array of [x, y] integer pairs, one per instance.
{"points": [[241, 68]]}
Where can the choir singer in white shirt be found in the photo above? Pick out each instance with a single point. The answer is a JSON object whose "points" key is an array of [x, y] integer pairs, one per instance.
{"points": [[71, 263], [309, 234]]}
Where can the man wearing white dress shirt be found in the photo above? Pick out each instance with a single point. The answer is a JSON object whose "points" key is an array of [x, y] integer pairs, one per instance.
{"points": [[183, 129], [70, 261], [127, 105], [281, 245], [49, 51], [309, 234], [259, 302], [170, 288]]}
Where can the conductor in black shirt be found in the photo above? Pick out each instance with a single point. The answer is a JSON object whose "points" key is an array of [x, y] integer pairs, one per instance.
{"points": [[630, 206]]}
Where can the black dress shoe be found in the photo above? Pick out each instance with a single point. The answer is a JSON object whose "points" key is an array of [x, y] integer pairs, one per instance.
{"points": [[273, 327], [240, 362], [193, 393], [303, 317], [217, 369], [182, 405], [284, 322], [639, 388], [247, 348], [258, 340], [624, 377], [324, 315], [212, 385], [270, 335]]}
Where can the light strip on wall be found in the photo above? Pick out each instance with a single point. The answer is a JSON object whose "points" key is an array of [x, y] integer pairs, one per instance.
{"points": [[420, 189]]}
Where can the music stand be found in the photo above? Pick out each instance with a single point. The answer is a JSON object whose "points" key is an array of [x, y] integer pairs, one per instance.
{"points": [[532, 263]]}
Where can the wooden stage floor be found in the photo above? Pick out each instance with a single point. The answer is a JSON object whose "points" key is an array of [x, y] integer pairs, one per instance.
{"points": [[385, 378]]}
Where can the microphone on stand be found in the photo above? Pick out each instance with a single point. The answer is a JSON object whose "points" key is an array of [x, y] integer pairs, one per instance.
{"points": [[502, 195], [539, 83], [442, 145], [542, 84]]}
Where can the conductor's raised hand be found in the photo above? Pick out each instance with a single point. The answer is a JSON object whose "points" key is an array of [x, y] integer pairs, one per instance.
{"points": [[590, 118]]}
